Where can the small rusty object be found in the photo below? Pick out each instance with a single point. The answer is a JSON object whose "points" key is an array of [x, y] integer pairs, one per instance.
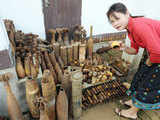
{"points": [[42, 105]]}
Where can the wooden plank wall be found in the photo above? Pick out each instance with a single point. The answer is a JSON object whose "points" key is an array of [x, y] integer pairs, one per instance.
{"points": [[62, 13]]}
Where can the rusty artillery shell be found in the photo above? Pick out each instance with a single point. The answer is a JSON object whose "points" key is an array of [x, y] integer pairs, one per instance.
{"points": [[56, 66], [66, 83], [66, 36], [27, 66], [52, 32], [61, 63], [63, 51], [90, 44], [36, 59], [14, 110], [59, 31], [70, 54], [43, 64], [82, 52], [32, 92], [49, 92], [19, 68], [62, 106], [48, 85], [75, 51], [77, 78], [56, 48], [33, 70], [49, 65]]}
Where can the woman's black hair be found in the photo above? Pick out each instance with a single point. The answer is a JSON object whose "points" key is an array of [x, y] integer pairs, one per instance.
{"points": [[119, 7]]}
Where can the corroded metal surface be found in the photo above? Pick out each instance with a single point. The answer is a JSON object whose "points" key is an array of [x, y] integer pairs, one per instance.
{"points": [[62, 13]]}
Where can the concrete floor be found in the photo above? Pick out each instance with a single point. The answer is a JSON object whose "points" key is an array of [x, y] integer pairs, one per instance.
{"points": [[100, 112], [106, 112]]}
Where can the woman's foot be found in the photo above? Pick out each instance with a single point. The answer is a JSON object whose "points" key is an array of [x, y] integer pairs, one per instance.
{"points": [[129, 113], [128, 103]]}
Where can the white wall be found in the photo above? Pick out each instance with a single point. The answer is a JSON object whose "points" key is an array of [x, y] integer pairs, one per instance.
{"points": [[94, 12], [27, 15], [4, 41]]}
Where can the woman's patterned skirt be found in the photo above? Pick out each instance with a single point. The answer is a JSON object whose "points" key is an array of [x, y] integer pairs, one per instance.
{"points": [[145, 87]]}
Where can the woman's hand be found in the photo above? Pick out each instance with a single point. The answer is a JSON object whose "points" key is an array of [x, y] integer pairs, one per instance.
{"points": [[128, 50], [148, 62]]}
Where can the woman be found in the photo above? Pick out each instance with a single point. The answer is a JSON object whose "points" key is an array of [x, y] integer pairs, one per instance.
{"points": [[142, 32]]}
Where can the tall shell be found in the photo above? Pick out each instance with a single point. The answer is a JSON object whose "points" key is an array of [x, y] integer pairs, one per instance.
{"points": [[56, 48], [90, 44], [56, 66], [62, 106], [49, 93], [49, 65], [61, 63], [43, 64], [48, 86], [32, 92], [75, 51], [63, 54], [70, 54], [77, 78], [52, 32], [82, 52], [67, 85], [13, 106], [36, 58], [19, 68]]}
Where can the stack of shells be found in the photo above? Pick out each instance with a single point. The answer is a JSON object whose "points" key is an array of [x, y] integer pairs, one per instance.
{"points": [[102, 93], [109, 37], [48, 93]]}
